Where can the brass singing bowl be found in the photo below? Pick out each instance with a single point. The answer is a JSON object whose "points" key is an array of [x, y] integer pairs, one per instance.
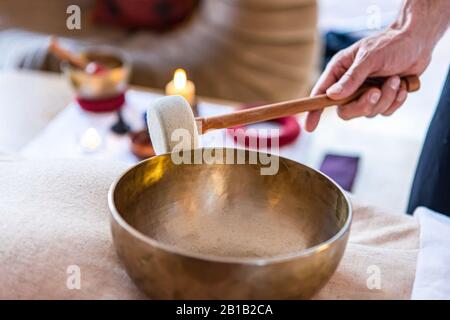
{"points": [[111, 82], [225, 231]]}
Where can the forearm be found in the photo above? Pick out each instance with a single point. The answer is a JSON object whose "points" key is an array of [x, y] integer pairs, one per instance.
{"points": [[425, 20]]}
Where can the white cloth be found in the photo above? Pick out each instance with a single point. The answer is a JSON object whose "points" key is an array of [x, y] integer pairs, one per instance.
{"points": [[54, 217], [433, 264], [28, 101]]}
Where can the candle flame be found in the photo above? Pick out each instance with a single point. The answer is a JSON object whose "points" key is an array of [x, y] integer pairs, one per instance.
{"points": [[179, 79], [91, 139]]}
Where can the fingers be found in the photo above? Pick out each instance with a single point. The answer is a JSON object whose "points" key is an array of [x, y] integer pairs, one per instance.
{"points": [[399, 100], [351, 80], [389, 91], [376, 101], [312, 120], [362, 107], [333, 71]]}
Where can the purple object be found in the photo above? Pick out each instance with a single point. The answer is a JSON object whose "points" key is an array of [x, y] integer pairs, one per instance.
{"points": [[341, 169]]}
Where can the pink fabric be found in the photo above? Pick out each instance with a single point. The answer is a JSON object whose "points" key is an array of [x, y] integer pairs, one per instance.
{"points": [[147, 14], [289, 132], [102, 105]]}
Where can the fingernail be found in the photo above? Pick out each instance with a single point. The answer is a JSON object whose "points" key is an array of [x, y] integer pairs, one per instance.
{"points": [[401, 95], [395, 83], [374, 97], [335, 88]]}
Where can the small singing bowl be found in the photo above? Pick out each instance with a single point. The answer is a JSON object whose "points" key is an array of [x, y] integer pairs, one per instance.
{"points": [[141, 145], [217, 230], [106, 84]]}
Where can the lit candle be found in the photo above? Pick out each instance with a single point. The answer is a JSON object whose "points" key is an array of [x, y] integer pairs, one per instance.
{"points": [[180, 85], [90, 140]]}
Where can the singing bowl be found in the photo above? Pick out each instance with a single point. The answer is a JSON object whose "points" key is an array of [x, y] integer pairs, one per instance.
{"points": [[109, 83], [225, 231]]}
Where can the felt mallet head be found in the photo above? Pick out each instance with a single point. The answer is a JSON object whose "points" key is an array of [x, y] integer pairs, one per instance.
{"points": [[171, 125]]}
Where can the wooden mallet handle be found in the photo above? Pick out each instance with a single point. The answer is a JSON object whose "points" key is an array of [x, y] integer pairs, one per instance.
{"points": [[65, 55], [287, 108]]}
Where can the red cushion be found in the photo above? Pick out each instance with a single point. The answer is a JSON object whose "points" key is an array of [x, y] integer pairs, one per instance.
{"points": [[143, 14]]}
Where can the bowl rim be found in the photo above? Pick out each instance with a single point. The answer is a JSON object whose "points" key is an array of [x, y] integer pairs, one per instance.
{"points": [[106, 50], [230, 260]]}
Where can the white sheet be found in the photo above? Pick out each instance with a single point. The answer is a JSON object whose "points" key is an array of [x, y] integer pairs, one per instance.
{"points": [[433, 264]]}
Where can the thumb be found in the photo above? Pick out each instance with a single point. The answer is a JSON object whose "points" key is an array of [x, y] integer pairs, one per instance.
{"points": [[351, 80]]}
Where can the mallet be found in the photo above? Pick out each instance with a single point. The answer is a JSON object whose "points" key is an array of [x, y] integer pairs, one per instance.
{"points": [[77, 60], [170, 113]]}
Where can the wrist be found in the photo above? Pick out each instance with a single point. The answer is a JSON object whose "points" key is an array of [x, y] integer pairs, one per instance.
{"points": [[423, 21]]}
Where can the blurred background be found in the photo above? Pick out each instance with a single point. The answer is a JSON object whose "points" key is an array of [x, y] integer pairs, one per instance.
{"points": [[245, 51]]}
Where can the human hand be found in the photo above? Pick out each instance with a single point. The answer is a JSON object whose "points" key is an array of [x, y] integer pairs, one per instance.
{"points": [[391, 54]]}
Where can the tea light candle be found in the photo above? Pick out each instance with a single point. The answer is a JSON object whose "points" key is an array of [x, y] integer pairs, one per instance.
{"points": [[180, 85], [90, 140]]}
